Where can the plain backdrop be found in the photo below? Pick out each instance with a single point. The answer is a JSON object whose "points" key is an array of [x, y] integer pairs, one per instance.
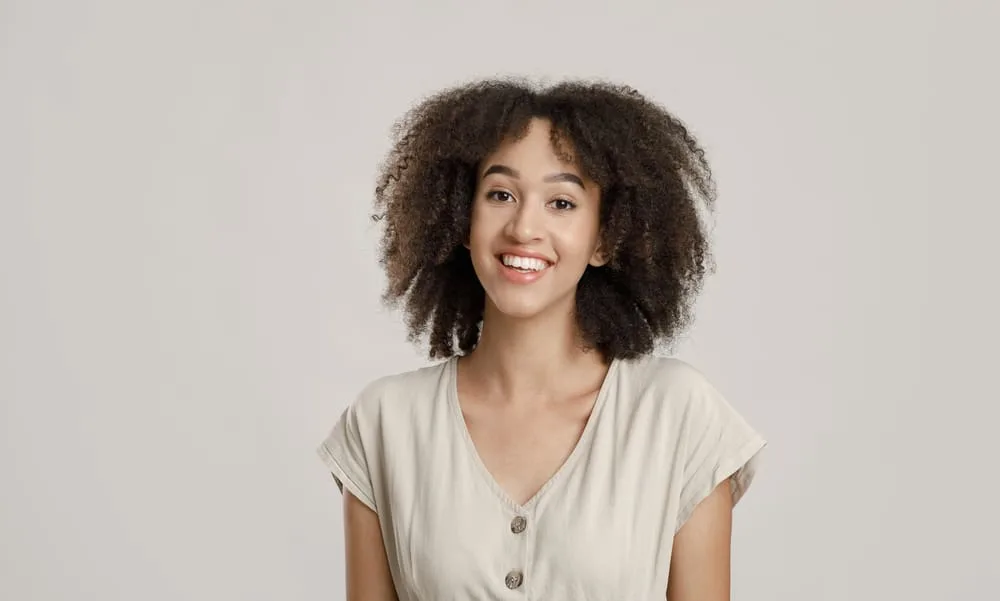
{"points": [[190, 292]]}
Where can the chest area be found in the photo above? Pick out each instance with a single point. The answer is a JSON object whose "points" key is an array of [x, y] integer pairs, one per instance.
{"points": [[583, 542], [523, 451]]}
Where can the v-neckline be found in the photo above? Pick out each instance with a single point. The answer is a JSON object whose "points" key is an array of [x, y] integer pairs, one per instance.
{"points": [[567, 465]]}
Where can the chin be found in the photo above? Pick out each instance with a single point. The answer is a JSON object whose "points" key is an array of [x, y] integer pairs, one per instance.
{"points": [[527, 304], [517, 308], [518, 304]]}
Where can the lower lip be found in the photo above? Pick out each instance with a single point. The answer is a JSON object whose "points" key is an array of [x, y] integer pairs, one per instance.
{"points": [[521, 277]]}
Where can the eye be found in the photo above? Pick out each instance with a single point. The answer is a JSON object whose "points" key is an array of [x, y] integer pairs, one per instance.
{"points": [[500, 196], [562, 204]]}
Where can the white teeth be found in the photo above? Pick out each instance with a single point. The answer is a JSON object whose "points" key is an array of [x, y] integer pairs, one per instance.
{"points": [[524, 263]]}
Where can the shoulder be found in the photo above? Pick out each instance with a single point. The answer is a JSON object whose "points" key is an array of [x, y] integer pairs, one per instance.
{"points": [[401, 390], [676, 391], [388, 407], [671, 377], [356, 447], [401, 383]]}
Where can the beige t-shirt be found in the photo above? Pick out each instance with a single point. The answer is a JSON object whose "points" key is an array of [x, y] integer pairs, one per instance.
{"points": [[659, 439]]}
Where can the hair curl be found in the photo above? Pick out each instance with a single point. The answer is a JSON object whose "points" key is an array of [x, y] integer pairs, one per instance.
{"points": [[653, 177]]}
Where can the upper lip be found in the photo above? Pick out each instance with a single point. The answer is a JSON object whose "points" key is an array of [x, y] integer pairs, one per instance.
{"points": [[526, 253]]}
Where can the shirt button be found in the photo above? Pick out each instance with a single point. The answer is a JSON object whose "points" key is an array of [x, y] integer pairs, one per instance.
{"points": [[514, 579], [518, 524]]}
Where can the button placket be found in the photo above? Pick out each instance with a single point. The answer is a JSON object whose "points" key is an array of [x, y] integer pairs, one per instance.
{"points": [[514, 579]]}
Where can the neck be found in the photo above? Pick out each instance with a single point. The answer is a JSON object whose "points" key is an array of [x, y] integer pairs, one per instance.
{"points": [[533, 359]]}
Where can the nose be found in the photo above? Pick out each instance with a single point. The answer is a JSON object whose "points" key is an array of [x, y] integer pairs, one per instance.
{"points": [[525, 224]]}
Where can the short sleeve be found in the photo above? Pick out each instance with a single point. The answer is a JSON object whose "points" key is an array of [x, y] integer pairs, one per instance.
{"points": [[343, 452], [719, 445]]}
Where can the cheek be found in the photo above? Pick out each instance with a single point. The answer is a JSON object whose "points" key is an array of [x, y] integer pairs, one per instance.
{"points": [[483, 227], [477, 233], [480, 246], [579, 241]]}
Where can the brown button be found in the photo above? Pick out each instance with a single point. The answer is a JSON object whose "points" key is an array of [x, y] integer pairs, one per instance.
{"points": [[518, 524], [514, 579]]}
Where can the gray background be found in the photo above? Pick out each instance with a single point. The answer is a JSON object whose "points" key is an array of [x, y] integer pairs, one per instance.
{"points": [[189, 291]]}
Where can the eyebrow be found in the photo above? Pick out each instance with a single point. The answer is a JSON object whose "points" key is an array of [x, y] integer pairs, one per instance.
{"points": [[555, 177]]}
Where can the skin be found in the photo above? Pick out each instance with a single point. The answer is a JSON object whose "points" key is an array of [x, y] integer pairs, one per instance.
{"points": [[367, 569], [529, 361], [700, 564]]}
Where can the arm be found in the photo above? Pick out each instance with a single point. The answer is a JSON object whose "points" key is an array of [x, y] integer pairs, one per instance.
{"points": [[367, 570], [699, 566]]}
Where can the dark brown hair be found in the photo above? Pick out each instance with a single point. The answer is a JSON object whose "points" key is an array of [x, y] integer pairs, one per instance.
{"points": [[653, 177]]}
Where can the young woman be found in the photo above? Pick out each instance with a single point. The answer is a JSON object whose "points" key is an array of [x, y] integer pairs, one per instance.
{"points": [[546, 241]]}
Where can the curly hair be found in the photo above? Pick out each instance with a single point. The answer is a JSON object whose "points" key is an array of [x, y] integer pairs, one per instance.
{"points": [[653, 177]]}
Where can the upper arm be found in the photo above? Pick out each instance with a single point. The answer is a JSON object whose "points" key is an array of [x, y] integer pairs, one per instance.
{"points": [[367, 567], [700, 563]]}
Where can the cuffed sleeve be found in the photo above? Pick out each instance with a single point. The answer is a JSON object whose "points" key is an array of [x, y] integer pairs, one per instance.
{"points": [[719, 445], [343, 453]]}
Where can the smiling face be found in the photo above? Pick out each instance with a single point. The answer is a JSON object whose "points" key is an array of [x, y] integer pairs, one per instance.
{"points": [[535, 226]]}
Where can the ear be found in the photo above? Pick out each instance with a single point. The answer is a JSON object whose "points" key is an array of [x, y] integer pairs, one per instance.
{"points": [[598, 259]]}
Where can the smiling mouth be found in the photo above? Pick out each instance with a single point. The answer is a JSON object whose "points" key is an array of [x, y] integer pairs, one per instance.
{"points": [[523, 264]]}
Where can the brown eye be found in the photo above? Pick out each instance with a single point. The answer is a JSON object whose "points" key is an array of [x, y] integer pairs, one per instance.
{"points": [[500, 196], [561, 204]]}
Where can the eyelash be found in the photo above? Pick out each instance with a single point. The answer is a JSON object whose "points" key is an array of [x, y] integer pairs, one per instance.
{"points": [[569, 204], [492, 195]]}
